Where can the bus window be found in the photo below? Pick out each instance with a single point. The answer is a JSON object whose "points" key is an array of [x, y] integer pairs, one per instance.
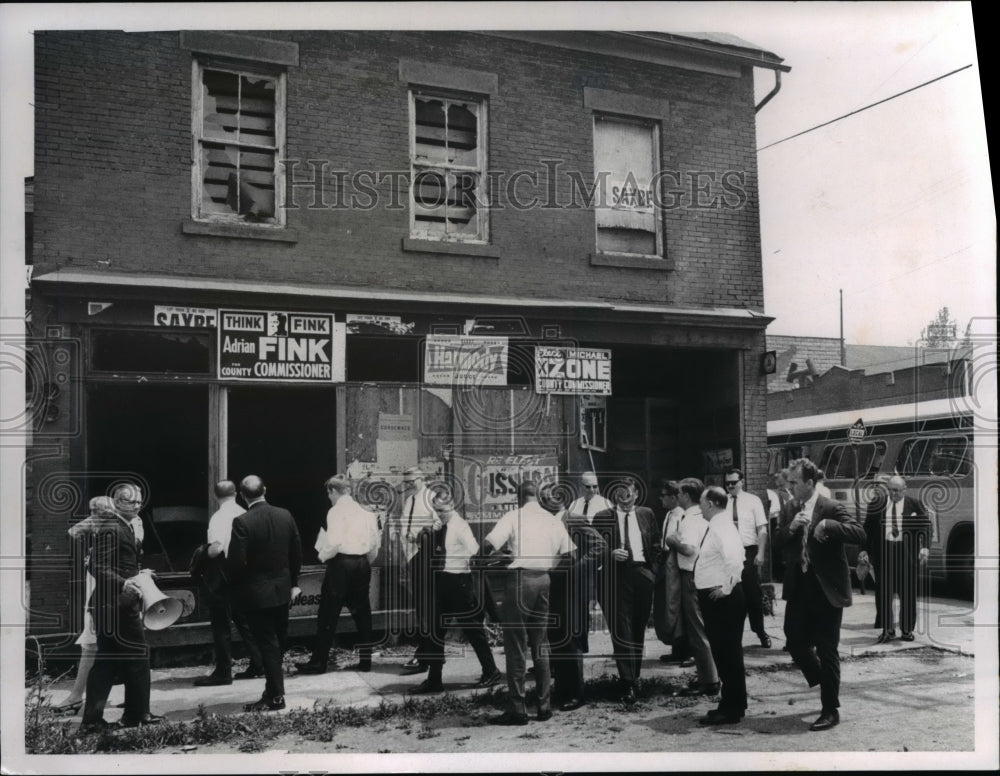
{"points": [[837, 462], [940, 457]]}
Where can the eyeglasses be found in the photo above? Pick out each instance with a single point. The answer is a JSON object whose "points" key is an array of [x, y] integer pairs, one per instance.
{"points": [[730, 483], [130, 501], [592, 487]]}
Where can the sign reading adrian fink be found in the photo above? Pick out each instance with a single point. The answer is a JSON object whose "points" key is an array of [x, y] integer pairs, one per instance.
{"points": [[572, 371], [268, 345]]}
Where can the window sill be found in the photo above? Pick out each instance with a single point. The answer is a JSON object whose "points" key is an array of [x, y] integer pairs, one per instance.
{"points": [[242, 231], [631, 261], [479, 250]]}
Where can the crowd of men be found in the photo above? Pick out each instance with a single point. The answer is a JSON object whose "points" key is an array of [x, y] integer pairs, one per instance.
{"points": [[696, 572]]}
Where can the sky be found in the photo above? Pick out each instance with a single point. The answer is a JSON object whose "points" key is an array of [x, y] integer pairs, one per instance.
{"points": [[894, 206]]}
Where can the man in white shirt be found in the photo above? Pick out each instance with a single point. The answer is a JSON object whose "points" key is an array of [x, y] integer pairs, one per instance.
{"points": [[747, 514], [455, 598], [668, 616], [347, 546], [538, 542], [216, 584], [686, 541], [720, 595], [591, 502], [418, 522]]}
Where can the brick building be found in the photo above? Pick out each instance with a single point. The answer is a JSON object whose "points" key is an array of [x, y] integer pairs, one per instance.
{"points": [[496, 255]]}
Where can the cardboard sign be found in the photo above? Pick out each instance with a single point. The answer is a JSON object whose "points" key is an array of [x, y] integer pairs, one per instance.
{"points": [[572, 371], [452, 359], [271, 346], [489, 482], [188, 317]]}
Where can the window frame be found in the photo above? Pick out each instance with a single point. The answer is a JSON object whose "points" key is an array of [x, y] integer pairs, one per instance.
{"points": [[199, 64], [482, 216], [655, 128]]}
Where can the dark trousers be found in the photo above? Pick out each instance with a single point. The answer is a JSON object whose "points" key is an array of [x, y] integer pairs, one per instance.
{"points": [[525, 625], [269, 629], [122, 655], [222, 617], [455, 600], [569, 606], [897, 572], [812, 622], [724, 626], [752, 592], [627, 598], [421, 599], [347, 583]]}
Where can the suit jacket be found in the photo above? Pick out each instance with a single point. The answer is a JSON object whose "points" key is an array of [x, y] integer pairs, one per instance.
{"points": [[913, 520], [572, 583], [828, 559], [265, 555], [114, 557], [606, 524]]}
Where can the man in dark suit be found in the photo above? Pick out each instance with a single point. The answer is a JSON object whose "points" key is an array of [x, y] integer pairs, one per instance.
{"points": [[626, 581], [899, 534], [817, 583], [264, 561]]}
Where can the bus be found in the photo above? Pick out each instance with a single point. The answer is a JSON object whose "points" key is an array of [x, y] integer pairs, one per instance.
{"points": [[929, 443]]}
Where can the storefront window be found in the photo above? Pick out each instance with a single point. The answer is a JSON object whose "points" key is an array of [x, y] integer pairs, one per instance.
{"points": [[150, 351]]}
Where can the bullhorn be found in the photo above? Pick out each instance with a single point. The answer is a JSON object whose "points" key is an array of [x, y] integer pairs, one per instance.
{"points": [[159, 611]]}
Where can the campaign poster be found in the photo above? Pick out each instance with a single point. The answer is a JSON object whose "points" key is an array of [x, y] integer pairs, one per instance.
{"points": [[572, 371], [453, 359], [272, 346]]}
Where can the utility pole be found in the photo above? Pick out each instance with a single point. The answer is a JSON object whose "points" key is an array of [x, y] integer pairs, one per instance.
{"points": [[843, 347]]}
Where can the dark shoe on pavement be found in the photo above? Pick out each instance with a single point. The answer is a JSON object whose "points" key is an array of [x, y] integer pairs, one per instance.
{"points": [[488, 681], [826, 720], [687, 662], [145, 719], [212, 680], [250, 673], [545, 716], [716, 717], [509, 718], [266, 704], [628, 697], [672, 658], [701, 689], [427, 686], [765, 641], [907, 637], [885, 637], [573, 704], [310, 668]]}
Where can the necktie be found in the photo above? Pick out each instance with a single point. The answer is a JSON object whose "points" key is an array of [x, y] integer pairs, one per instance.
{"points": [[409, 522], [736, 513], [805, 547], [628, 544], [586, 506], [895, 520]]}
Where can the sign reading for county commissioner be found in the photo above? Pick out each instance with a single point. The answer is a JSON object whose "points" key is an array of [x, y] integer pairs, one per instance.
{"points": [[261, 345], [572, 371], [451, 359]]}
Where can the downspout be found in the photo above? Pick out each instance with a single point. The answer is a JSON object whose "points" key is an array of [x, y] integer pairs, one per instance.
{"points": [[770, 94]]}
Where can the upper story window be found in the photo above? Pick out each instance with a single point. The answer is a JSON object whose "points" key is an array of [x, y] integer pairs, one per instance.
{"points": [[238, 127], [448, 168], [626, 160]]}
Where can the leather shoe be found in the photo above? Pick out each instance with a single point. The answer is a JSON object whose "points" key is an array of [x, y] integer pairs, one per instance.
{"points": [[67, 709], [765, 641], [672, 658], [488, 681], [95, 728], [266, 704], [701, 689], [720, 718], [885, 637], [907, 637], [413, 667], [212, 680], [427, 686], [826, 720], [310, 668], [573, 704], [687, 662], [248, 674], [145, 719], [545, 716], [508, 718], [362, 667], [628, 697]]}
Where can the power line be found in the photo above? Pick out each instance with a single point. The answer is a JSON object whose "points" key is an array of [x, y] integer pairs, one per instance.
{"points": [[866, 107]]}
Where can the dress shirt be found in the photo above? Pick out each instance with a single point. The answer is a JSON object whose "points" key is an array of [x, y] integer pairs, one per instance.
{"points": [[459, 545], [720, 562], [596, 504], [898, 522], [670, 525], [536, 537], [220, 524], [417, 514], [691, 531], [350, 529], [634, 534], [750, 512]]}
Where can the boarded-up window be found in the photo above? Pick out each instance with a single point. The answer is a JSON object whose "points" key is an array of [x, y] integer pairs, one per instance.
{"points": [[625, 161], [447, 167], [238, 130]]}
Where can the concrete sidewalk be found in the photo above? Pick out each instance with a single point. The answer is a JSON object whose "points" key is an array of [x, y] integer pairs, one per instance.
{"points": [[942, 623]]}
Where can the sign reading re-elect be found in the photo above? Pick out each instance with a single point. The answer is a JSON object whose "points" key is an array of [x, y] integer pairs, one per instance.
{"points": [[572, 370], [268, 345]]}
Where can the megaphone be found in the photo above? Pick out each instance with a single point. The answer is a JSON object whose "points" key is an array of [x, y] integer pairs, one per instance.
{"points": [[159, 610]]}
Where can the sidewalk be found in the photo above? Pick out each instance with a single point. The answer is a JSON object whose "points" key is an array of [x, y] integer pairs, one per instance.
{"points": [[942, 623]]}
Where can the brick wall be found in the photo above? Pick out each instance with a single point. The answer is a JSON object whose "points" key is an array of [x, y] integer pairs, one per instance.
{"points": [[113, 155], [824, 352]]}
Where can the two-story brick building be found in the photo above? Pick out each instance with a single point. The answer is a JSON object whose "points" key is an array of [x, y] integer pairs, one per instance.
{"points": [[495, 255]]}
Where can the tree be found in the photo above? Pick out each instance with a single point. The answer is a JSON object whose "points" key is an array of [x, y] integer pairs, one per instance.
{"points": [[941, 332]]}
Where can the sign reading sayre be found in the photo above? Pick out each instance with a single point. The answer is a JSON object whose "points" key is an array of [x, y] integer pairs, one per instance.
{"points": [[270, 345], [572, 371], [452, 359], [189, 317], [856, 432]]}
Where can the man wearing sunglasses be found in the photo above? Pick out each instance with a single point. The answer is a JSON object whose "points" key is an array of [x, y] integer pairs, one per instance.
{"points": [[591, 502], [747, 512]]}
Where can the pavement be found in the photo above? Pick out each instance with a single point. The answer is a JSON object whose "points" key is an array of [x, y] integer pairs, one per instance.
{"points": [[945, 624]]}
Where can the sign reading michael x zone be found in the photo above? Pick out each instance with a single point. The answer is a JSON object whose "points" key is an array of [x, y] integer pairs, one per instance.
{"points": [[572, 371], [268, 346]]}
